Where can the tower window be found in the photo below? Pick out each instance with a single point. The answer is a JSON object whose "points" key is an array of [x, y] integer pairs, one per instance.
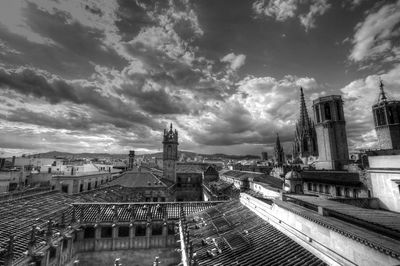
{"points": [[339, 113], [317, 114], [390, 115], [327, 110]]}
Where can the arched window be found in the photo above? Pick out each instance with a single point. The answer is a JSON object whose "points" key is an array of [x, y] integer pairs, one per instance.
{"points": [[327, 109]]}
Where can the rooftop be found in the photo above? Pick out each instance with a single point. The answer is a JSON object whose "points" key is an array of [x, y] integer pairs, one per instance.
{"points": [[138, 180], [231, 234], [332, 177], [384, 222]]}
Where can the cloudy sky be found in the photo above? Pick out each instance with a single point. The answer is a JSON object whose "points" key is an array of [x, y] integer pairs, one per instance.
{"points": [[109, 75]]}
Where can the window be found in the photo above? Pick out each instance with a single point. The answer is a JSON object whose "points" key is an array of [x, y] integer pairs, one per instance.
{"points": [[64, 188], [309, 186], [355, 193], [326, 189], [338, 191], [162, 199], [327, 110], [346, 192], [140, 230], [123, 231], [81, 188], [155, 199], [156, 229], [89, 232], [321, 189], [339, 115], [89, 186], [171, 229], [95, 184], [106, 232]]}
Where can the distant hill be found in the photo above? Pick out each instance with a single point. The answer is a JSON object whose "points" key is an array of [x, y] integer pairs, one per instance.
{"points": [[217, 156]]}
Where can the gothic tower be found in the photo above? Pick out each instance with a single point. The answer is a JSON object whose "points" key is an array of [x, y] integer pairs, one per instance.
{"points": [[170, 153], [278, 151], [305, 140], [331, 133], [387, 121]]}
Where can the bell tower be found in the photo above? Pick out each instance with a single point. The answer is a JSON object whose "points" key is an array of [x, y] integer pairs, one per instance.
{"points": [[170, 153], [330, 126], [386, 114]]}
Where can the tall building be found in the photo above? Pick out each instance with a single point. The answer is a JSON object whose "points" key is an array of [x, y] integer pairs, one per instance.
{"points": [[386, 114], [331, 133], [278, 151], [131, 160], [305, 140], [170, 153]]}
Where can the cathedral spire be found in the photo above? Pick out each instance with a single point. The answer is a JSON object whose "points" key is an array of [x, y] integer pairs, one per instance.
{"points": [[303, 110]]}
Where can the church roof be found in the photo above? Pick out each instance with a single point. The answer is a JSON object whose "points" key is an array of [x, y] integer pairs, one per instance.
{"points": [[232, 234]]}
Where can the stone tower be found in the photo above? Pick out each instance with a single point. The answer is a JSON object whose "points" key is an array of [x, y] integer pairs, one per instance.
{"points": [[131, 160], [278, 151], [305, 140], [387, 121], [170, 153], [331, 133]]}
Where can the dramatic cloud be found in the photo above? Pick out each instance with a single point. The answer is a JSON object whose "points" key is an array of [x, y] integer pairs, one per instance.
{"points": [[235, 61], [318, 7], [377, 35], [109, 75], [283, 10], [359, 96]]}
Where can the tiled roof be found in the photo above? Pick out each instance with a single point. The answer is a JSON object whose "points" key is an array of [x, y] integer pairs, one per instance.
{"points": [[332, 177], [126, 212], [191, 167], [138, 180], [18, 216], [375, 220], [222, 188], [231, 234], [241, 175]]}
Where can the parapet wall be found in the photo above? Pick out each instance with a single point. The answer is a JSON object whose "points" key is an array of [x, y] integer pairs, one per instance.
{"points": [[334, 241]]}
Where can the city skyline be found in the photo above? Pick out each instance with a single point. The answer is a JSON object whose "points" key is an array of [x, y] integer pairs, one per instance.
{"points": [[92, 76]]}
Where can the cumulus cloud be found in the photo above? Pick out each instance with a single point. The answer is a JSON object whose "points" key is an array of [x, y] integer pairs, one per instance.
{"points": [[235, 61], [317, 8], [374, 37], [359, 96], [282, 10]]}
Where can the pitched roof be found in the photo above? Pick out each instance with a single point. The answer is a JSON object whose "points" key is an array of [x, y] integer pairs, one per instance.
{"points": [[231, 234]]}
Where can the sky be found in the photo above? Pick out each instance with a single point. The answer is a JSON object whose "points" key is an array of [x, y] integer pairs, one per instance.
{"points": [[110, 75]]}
